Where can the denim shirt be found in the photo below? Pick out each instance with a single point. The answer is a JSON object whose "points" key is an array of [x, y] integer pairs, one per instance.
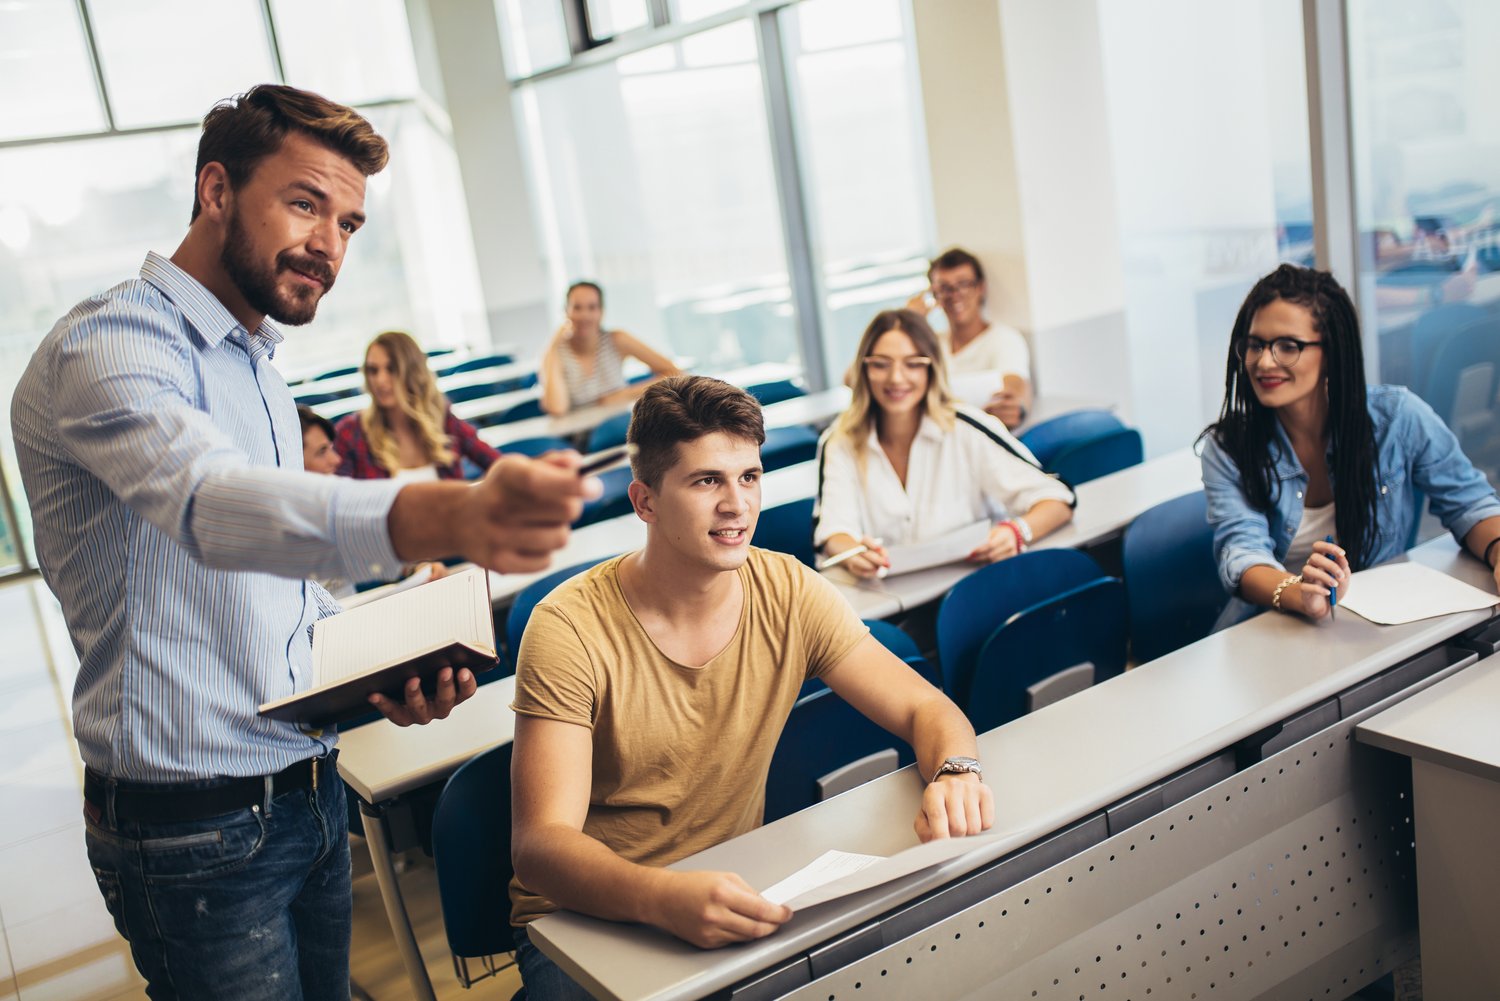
{"points": [[1416, 452]]}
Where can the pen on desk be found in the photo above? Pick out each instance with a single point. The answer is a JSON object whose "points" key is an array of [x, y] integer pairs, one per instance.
{"points": [[843, 557], [607, 458], [1333, 592]]}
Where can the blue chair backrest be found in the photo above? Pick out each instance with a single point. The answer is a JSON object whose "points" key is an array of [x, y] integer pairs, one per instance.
{"points": [[610, 432], [1050, 437], [313, 399], [526, 601], [1085, 624], [463, 394], [774, 392], [524, 410], [1098, 457], [788, 446], [1171, 577], [822, 733], [336, 373], [471, 851], [980, 602], [787, 528], [470, 364], [1431, 329], [1476, 344], [614, 502], [536, 446]]}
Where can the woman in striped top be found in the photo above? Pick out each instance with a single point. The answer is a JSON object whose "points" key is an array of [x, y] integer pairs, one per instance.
{"points": [[408, 432], [583, 364], [907, 463]]}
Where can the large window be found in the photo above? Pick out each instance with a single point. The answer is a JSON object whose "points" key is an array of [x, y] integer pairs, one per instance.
{"points": [[652, 174], [78, 216], [1427, 179], [1212, 183]]}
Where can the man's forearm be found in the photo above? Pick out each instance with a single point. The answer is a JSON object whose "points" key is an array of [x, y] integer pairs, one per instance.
{"points": [[425, 519], [581, 874], [940, 731]]}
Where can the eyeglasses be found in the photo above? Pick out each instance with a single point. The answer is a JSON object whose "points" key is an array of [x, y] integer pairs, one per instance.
{"points": [[1285, 351], [884, 364], [956, 289]]}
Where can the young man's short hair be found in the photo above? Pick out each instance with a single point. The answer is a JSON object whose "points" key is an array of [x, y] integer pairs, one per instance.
{"points": [[242, 131], [685, 408], [956, 258], [310, 418]]}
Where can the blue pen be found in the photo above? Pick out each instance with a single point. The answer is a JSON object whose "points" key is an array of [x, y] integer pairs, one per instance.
{"points": [[1333, 592]]}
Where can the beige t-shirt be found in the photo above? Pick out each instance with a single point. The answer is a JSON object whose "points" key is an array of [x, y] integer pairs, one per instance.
{"points": [[680, 753]]}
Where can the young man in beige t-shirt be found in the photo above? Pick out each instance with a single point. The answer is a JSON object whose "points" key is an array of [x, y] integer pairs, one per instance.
{"points": [[651, 691]]}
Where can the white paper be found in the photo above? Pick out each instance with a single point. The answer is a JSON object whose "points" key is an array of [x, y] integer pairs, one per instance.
{"points": [[837, 874], [950, 548], [1406, 592], [406, 583], [402, 626], [976, 387]]}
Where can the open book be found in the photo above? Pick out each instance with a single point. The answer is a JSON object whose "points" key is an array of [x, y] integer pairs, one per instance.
{"points": [[378, 646]]}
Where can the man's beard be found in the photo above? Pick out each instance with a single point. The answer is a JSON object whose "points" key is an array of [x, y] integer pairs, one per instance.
{"points": [[258, 285]]}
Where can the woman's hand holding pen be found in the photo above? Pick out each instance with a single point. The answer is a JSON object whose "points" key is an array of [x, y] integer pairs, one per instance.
{"points": [[871, 561], [1326, 568]]}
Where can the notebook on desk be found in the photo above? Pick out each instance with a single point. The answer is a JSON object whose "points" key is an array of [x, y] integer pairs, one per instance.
{"points": [[379, 646]]}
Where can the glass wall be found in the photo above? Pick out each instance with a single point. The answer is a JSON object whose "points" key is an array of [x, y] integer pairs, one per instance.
{"points": [[1427, 181], [1208, 124], [78, 216], [652, 175]]}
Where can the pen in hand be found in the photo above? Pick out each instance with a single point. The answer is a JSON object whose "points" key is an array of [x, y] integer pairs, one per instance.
{"points": [[1333, 592], [844, 557]]}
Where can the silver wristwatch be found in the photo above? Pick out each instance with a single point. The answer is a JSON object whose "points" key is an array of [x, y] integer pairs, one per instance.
{"points": [[958, 766]]}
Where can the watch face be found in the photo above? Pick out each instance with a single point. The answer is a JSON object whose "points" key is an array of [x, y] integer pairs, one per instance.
{"points": [[959, 764]]}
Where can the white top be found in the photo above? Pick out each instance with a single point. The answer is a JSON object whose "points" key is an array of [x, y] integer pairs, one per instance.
{"points": [[954, 478], [999, 349], [417, 474], [1317, 525]]}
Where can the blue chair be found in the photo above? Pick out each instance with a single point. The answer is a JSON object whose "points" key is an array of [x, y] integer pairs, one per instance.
{"points": [[526, 601], [788, 446], [1050, 437], [536, 446], [313, 399], [335, 373], [463, 394], [1429, 331], [1050, 650], [1171, 577], [614, 502], [1476, 344], [826, 748], [471, 852], [610, 432], [470, 364], [1098, 457], [774, 392], [980, 602], [524, 410], [787, 528]]}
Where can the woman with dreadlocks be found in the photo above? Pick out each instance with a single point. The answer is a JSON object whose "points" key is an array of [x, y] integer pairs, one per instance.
{"points": [[1303, 450]]}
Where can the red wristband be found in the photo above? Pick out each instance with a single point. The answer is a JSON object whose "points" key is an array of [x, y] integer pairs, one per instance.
{"points": [[1015, 530]]}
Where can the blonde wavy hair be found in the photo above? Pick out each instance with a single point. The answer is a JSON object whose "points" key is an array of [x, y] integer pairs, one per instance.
{"points": [[854, 424], [418, 397]]}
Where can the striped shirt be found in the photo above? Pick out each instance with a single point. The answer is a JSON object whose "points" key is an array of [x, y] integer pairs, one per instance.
{"points": [[608, 375], [162, 458]]}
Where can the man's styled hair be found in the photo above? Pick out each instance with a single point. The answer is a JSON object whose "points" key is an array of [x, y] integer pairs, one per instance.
{"points": [[241, 131], [310, 418], [685, 408], [957, 257]]}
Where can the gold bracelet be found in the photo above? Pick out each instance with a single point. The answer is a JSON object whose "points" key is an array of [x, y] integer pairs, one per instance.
{"points": [[1276, 598]]}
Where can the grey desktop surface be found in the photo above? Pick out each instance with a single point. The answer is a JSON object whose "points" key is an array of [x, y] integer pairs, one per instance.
{"points": [[1048, 769], [1450, 724]]}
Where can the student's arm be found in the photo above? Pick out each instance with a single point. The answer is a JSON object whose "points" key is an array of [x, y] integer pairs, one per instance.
{"points": [[468, 442], [874, 681], [838, 522], [661, 367], [1044, 517], [1460, 495], [1017, 485], [1013, 403], [550, 779], [554, 399]]}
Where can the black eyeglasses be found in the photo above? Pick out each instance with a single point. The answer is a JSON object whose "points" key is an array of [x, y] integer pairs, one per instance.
{"points": [[1285, 351], [946, 291]]}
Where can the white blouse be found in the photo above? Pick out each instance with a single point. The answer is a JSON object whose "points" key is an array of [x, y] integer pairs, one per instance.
{"points": [[416, 474], [954, 478]]}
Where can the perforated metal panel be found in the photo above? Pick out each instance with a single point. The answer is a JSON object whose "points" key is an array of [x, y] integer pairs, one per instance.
{"points": [[1294, 878]]}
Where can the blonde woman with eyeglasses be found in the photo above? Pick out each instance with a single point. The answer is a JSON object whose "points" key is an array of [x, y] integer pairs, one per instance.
{"points": [[907, 463]]}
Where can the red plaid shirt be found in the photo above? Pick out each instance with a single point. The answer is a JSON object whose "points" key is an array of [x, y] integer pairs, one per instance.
{"points": [[357, 461]]}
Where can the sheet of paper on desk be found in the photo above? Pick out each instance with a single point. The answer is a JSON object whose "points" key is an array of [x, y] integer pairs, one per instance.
{"points": [[945, 549], [836, 874], [1406, 592], [975, 387]]}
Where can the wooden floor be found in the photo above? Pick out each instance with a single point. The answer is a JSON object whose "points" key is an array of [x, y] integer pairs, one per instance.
{"points": [[57, 942]]}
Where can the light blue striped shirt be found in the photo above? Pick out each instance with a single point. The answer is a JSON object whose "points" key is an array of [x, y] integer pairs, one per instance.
{"points": [[162, 458]]}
